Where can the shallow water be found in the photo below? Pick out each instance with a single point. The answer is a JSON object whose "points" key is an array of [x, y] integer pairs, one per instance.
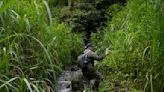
{"points": [[66, 78]]}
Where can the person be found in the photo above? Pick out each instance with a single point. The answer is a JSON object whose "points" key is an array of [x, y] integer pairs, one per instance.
{"points": [[90, 72]]}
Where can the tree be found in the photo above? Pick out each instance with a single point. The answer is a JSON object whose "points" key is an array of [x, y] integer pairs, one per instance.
{"points": [[86, 15]]}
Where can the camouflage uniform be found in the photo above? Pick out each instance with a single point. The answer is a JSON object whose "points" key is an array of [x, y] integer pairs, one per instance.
{"points": [[90, 72]]}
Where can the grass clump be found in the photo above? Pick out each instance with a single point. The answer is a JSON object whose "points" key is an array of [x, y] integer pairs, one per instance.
{"points": [[133, 38], [34, 47]]}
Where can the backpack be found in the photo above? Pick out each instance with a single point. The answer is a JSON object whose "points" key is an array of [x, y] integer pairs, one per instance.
{"points": [[82, 61]]}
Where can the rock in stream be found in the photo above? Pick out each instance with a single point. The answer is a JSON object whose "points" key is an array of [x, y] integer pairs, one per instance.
{"points": [[70, 80]]}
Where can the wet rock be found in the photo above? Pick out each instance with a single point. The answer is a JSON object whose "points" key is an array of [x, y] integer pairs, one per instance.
{"points": [[77, 85], [70, 80], [75, 68]]}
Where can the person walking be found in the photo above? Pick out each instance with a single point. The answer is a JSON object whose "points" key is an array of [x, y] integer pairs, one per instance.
{"points": [[86, 63]]}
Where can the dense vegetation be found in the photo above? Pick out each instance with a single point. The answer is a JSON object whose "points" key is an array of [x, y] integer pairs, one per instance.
{"points": [[38, 38], [135, 38], [33, 46], [87, 15]]}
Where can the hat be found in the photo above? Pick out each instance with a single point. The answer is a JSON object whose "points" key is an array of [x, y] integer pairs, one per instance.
{"points": [[88, 45]]}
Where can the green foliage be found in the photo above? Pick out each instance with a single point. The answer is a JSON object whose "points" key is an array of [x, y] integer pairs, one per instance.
{"points": [[160, 10], [34, 46], [132, 37], [2, 9], [85, 15], [32, 52], [81, 16]]}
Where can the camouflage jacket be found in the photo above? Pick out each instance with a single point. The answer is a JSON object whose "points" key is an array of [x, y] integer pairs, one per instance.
{"points": [[91, 56]]}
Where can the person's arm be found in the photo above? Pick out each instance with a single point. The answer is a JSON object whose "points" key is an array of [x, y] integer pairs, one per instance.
{"points": [[95, 56]]}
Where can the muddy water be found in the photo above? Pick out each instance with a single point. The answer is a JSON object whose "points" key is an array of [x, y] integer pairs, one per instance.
{"points": [[65, 80]]}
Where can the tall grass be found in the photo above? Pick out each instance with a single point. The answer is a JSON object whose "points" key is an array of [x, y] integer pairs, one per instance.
{"points": [[133, 37], [32, 52], [160, 11]]}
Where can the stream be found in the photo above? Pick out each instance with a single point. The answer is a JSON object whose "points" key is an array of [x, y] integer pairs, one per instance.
{"points": [[70, 80]]}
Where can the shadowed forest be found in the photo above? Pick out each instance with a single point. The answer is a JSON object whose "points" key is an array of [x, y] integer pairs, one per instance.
{"points": [[40, 38]]}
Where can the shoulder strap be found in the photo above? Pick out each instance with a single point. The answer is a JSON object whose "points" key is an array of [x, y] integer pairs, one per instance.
{"points": [[86, 54]]}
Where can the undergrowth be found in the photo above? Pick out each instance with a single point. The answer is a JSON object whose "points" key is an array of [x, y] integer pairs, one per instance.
{"points": [[34, 46], [132, 36]]}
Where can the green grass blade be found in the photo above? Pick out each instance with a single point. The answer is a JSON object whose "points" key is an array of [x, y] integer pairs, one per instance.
{"points": [[36, 88], [48, 12], [8, 82], [28, 27], [28, 84], [5, 7]]}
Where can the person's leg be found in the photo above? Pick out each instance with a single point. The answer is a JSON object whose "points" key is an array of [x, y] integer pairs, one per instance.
{"points": [[91, 73], [86, 83], [98, 78], [94, 74]]}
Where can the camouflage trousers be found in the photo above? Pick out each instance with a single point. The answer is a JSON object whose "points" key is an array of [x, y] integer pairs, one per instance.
{"points": [[91, 73]]}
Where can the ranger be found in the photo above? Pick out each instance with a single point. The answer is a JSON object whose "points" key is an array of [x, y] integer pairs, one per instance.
{"points": [[86, 63]]}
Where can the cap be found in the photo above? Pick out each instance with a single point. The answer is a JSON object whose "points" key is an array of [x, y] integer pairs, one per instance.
{"points": [[88, 45]]}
